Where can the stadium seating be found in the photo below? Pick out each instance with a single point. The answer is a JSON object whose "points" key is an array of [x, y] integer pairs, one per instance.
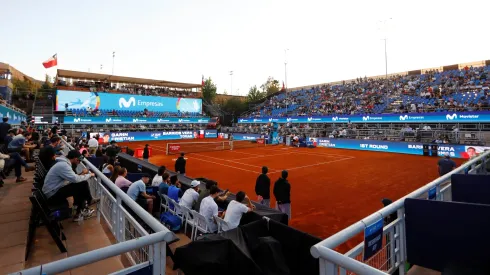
{"points": [[125, 113], [455, 90]]}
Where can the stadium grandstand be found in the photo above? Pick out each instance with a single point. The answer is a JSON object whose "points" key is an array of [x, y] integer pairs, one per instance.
{"points": [[120, 162]]}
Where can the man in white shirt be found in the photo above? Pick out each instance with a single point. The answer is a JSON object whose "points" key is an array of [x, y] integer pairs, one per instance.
{"points": [[209, 209], [236, 209], [190, 195], [93, 144], [158, 177]]}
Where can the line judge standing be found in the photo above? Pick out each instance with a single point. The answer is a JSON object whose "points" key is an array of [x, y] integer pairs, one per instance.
{"points": [[282, 193], [263, 188], [180, 164]]}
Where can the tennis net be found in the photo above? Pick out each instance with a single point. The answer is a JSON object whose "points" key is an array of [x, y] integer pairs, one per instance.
{"points": [[196, 147]]}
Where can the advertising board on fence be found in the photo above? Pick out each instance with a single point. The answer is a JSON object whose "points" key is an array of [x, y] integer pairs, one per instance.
{"points": [[436, 117], [130, 120], [146, 136], [128, 102], [413, 148]]}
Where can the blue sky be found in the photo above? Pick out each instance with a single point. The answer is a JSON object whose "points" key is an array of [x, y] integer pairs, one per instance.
{"points": [[182, 40]]}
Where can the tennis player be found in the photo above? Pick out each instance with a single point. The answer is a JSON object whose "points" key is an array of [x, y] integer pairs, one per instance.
{"points": [[231, 141]]}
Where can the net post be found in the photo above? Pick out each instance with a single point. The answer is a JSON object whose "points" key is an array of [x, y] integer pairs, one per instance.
{"points": [[223, 145], [167, 149]]}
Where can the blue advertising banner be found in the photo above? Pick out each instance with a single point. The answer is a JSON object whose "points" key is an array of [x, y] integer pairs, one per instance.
{"points": [[211, 133], [240, 136], [413, 148], [130, 120], [373, 239], [127, 102], [14, 117], [438, 117]]}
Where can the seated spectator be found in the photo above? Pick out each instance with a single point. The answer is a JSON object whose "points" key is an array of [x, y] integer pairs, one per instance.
{"points": [[48, 153], [62, 182], [209, 209], [190, 195], [7, 139], [137, 192], [121, 180], [99, 152], [174, 192], [158, 177], [204, 193], [18, 144], [163, 187], [4, 128], [236, 209], [108, 169], [115, 173]]}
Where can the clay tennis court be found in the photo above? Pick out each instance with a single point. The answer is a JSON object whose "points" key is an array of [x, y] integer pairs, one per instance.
{"points": [[330, 188]]}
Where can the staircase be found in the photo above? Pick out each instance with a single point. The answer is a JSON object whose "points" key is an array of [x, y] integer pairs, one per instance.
{"points": [[43, 108]]}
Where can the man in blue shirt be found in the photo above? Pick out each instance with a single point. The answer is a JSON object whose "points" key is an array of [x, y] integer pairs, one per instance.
{"points": [[18, 144], [137, 192], [163, 186], [446, 165]]}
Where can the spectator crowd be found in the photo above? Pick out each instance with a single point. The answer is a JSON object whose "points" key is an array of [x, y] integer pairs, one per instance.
{"points": [[456, 90]]}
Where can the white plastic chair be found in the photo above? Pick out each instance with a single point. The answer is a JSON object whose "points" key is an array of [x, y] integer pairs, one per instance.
{"points": [[189, 219], [222, 224], [163, 202], [200, 224], [178, 211], [168, 201]]}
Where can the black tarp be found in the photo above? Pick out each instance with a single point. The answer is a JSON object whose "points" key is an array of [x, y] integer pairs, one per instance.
{"points": [[259, 247]]}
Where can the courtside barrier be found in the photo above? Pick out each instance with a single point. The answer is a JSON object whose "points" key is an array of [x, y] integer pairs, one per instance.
{"points": [[156, 135], [392, 255], [144, 249]]}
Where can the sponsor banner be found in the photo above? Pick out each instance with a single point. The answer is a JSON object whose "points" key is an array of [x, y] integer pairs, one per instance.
{"points": [[413, 148], [439, 117], [240, 136], [145, 136], [130, 120], [373, 239], [210, 133], [174, 148], [125, 102], [14, 117], [222, 136]]}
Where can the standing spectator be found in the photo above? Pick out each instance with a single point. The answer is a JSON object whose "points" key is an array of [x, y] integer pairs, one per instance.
{"points": [[121, 180], [190, 195], [180, 164], [4, 129], [282, 193], [137, 192], [112, 151], [93, 144], [236, 209], [18, 144], [263, 187], [158, 177], [446, 165], [146, 153], [62, 182], [209, 209]]}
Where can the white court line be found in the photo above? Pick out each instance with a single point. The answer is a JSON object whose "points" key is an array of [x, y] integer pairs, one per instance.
{"points": [[255, 172], [264, 156], [311, 165], [245, 164], [306, 153], [234, 151]]}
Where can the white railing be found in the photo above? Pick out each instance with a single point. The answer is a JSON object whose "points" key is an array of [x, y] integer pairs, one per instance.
{"points": [[142, 248], [392, 256]]}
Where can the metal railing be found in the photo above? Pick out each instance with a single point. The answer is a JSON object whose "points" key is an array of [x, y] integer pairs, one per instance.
{"points": [[392, 256], [142, 248]]}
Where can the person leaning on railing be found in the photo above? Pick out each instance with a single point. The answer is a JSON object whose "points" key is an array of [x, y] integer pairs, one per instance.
{"points": [[56, 189]]}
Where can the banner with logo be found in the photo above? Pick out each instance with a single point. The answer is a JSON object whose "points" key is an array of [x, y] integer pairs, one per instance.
{"points": [[439, 117], [373, 239], [240, 136], [148, 136], [130, 120], [413, 148], [125, 102], [14, 117]]}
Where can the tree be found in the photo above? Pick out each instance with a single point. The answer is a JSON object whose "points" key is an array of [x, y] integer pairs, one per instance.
{"points": [[254, 94], [271, 86], [22, 85], [209, 90], [234, 106], [47, 83]]}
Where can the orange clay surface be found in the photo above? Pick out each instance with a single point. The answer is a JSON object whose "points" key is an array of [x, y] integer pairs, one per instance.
{"points": [[330, 188]]}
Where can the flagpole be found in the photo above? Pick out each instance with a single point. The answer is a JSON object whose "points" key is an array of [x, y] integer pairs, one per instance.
{"points": [[286, 76], [113, 56]]}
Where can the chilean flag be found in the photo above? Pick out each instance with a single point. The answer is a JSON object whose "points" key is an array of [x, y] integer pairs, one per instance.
{"points": [[51, 62]]}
